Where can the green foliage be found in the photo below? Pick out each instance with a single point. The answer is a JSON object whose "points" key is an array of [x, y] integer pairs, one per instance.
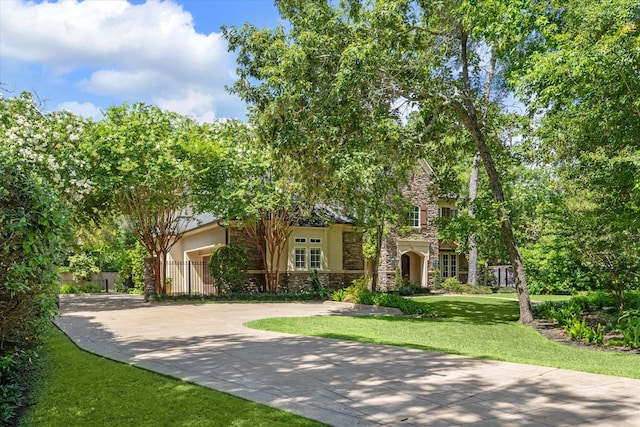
{"points": [[317, 287], [452, 284], [83, 268], [15, 368], [339, 295], [398, 280], [407, 306], [358, 289], [87, 288], [229, 266], [571, 315], [580, 331], [246, 297], [32, 227], [131, 272], [589, 134]]}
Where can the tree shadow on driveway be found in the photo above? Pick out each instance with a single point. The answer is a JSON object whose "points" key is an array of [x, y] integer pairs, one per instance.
{"points": [[353, 384]]}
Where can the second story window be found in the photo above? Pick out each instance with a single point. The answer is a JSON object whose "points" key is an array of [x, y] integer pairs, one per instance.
{"points": [[414, 217]]}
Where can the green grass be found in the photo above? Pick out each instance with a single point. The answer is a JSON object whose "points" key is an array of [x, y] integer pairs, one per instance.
{"points": [[81, 389], [474, 326], [534, 298]]}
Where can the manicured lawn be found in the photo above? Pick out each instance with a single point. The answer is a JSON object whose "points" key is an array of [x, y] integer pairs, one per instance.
{"points": [[474, 326], [81, 389], [534, 298]]}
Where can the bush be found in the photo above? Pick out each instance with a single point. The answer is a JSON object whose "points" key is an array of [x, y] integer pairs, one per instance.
{"points": [[229, 267], [358, 289], [450, 283], [69, 289], [405, 305], [580, 331], [453, 285], [83, 268], [88, 288], [31, 228], [339, 295]]}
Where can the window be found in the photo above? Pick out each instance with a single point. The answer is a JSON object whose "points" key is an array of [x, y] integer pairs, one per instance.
{"points": [[448, 212], [307, 253], [445, 265], [315, 258], [301, 258], [414, 217], [449, 265]]}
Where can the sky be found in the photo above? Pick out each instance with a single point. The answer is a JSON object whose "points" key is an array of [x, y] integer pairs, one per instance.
{"points": [[84, 56]]}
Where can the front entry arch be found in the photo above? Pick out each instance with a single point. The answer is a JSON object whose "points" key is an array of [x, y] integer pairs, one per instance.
{"points": [[412, 266]]}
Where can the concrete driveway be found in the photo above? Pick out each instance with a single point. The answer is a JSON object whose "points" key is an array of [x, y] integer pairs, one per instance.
{"points": [[337, 382]]}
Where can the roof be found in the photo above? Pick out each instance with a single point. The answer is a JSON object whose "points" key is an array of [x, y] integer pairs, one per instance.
{"points": [[323, 215], [196, 221]]}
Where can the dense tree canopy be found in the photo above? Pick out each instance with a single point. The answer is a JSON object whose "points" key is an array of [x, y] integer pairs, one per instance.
{"points": [[341, 78], [585, 87]]}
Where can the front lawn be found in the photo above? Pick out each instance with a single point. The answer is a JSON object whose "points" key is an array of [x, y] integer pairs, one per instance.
{"points": [[81, 389], [476, 326]]}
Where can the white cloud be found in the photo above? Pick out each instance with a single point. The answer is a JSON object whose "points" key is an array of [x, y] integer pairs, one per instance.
{"points": [[86, 109], [133, 52]]}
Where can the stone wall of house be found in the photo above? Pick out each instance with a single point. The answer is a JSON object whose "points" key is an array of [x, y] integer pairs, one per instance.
{"points": [[300, 281], [419, 192], [352, 256], [240, 237]]}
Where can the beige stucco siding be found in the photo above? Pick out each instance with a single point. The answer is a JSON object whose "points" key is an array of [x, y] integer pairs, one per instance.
{"points": [[331, 246], [198, 243]]}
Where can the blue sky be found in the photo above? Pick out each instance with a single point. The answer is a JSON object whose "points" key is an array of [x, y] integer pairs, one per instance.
{"points": [[85, 56]]}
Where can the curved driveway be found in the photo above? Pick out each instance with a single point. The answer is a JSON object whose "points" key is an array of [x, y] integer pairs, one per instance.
{"points": [[337, 382]]}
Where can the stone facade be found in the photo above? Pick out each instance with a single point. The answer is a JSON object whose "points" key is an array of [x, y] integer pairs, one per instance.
{"points": [[299, 281], [421, 242], [240, 237], [352, 256]]}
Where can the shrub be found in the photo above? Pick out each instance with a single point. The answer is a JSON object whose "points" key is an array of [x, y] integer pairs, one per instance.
{"points": [[405, 290], [31, 228], [398, 280], [579, 330], [405, 305], [339, 295], [450, 283], [69, 289], [82, 267], [358, 289], [453, 285], [229, 267]]}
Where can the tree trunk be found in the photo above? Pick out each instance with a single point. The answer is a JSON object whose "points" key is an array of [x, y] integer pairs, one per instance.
{"points": [[376, 257], [472, 278], [470, 120]]}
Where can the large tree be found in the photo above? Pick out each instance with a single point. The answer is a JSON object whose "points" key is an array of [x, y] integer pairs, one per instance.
{"points": [[585, 86], [250, 189], [340, 77], [143, 173]]}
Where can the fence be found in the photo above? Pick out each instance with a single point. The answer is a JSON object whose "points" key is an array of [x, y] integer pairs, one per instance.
{"points": [[189, 278], [105, 281], [103, 284], [502, 275]]}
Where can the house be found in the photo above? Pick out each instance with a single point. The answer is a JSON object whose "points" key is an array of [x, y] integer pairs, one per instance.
{"points": [[417, 252], [330, 243]]}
